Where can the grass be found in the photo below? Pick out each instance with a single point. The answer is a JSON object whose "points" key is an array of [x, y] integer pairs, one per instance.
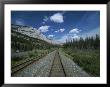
{"points": [[34, 54], [89, 59]]}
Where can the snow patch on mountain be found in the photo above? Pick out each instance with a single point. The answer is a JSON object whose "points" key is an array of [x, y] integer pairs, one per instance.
{"points": [[31, 32]]}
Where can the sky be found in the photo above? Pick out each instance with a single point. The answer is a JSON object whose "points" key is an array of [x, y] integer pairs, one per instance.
{"points": [[60, 25]]}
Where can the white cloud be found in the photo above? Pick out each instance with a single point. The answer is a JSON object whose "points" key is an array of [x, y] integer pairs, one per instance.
{"points": [[60, 30], [71, 36], [68, 37], [75, 36], [44, 28], [19, 22], [75, 30], [57, 31], [45, 18], [50, 36], [58, 18]]}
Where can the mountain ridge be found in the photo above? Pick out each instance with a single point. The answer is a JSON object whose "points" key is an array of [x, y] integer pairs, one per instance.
{"points": [[31, 32]]}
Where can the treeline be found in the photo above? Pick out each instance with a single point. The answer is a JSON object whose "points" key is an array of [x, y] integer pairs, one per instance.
{"points": [[22, 42], [87, 43]]}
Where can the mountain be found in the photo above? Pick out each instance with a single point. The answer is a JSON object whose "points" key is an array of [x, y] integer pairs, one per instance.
{"points": [[31, 32], [21, 43]]}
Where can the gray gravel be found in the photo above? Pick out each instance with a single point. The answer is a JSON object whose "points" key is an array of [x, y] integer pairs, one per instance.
{"points": [[39, 68], [42, 67], [71, 68]]}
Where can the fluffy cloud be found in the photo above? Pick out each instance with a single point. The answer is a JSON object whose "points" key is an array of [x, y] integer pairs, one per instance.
{"points": [[75, 30], [19, 22], [44, 28], [75, 36], [60, 30], [58, 18], [50, 36]]}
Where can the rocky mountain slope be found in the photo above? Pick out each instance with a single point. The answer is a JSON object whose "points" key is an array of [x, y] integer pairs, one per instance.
{"points": [[31, 32]]}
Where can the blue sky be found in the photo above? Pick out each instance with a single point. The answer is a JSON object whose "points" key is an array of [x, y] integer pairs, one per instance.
{"points": [[60, 25]]}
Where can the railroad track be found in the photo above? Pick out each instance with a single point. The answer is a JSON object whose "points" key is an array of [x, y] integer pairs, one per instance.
{"points": [[57, 69], [54, 64], [20, 66], [26, 65], [23, 64]]}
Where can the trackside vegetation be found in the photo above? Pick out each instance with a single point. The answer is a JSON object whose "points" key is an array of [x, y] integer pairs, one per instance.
{"points": [[86, 53]]}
